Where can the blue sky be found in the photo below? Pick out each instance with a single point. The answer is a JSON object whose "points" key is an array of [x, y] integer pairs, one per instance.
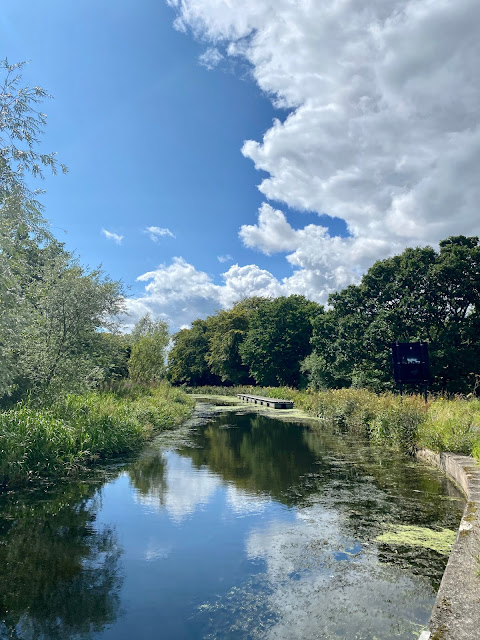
{"points": [[342, 117], [150, 137]]}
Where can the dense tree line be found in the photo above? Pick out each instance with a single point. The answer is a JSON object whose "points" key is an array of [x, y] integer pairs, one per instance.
{"points": [[420, 295], [259, 341]]}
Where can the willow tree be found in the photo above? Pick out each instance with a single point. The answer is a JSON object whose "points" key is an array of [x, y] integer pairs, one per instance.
{"points": [[51, 308], [149, 351], [21, 126]]}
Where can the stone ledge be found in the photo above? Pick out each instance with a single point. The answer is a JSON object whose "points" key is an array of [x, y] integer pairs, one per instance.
{"points": [[456, 613]]}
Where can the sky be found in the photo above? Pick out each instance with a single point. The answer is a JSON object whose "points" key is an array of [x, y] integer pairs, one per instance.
{"points": [[219, 149]]}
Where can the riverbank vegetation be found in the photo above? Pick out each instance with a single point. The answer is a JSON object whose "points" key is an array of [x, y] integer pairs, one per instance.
{"points": [[404, 423], [337, 361], [78, 429]]}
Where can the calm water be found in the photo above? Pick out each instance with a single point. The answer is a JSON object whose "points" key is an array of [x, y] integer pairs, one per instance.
{"points": [[242, 528]]}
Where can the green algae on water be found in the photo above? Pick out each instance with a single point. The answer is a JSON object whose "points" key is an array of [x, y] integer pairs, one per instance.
{"points": [[439, 541]]}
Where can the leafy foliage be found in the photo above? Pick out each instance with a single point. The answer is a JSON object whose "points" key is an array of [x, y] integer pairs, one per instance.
{"points": [[51, 308], [278, 339], [21, 124], [187, 360], [259, 340], [147, 358], [418, 295], [60, 345], [228, 332]]}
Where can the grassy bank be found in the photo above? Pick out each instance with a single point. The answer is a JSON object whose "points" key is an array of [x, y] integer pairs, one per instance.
{"points": [[77, 430], [402, 422]]}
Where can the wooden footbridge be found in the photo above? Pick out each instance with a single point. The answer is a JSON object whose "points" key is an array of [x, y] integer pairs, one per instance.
{"points": [[276, 403]]}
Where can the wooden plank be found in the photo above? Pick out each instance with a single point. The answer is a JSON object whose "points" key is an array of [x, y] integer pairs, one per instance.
{"points": [[276, 403]]}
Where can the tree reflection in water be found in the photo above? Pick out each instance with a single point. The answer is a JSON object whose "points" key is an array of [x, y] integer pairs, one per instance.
{"points": [[300, 467], [147, 475], [59, 572]]}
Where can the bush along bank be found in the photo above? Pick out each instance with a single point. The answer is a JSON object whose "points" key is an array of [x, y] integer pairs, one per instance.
{"points": [[77, 430], [405, 423]]}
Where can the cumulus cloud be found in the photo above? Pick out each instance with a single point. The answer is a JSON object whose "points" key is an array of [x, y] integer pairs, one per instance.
{"points": [[179, 293], [112, 236], [384, 126], [226, 258], [325, 263], [272, 233], [158, 232], [382, 130]]}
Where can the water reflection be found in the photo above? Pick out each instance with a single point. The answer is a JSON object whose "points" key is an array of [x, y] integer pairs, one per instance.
{"points": [[59, 573], [250, 528], [260, 455], [166, 482]]}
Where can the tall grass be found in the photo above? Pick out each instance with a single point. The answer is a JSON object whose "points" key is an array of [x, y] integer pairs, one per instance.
{"points": [[405, 423], [79, 429], [452, 425]]}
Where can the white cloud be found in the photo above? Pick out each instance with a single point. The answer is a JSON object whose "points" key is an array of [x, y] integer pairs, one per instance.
{"points": [[210, 58], [272, 234], [179, 293], [158, 232], [112, 236], [383, 131], [226, 258], [384, 127]]}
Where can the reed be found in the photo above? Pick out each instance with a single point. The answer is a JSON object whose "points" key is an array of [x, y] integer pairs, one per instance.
{"points": [[78, 430]]}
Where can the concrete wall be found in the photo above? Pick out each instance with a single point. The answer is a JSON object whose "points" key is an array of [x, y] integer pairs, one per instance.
{"points": [[456, 613]]}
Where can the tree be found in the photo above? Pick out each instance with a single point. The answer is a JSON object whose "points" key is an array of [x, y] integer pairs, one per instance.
{"points": [[229, 329], [21, 124], [419, 295], [65, 307], [113, 353], [147, 358], [278, 339], [187, 360], [52, 310]]}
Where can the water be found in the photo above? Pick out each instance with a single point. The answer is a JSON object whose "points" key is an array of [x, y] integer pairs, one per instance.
{"points": [[242, 528]]}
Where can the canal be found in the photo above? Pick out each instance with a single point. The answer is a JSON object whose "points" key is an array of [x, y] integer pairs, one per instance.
{"points": [[239, 526]]}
